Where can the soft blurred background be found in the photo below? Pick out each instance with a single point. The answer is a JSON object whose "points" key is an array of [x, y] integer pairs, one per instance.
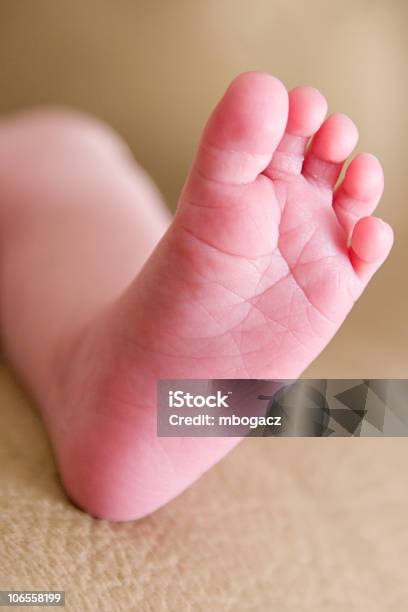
{"points": [[288, 524]]}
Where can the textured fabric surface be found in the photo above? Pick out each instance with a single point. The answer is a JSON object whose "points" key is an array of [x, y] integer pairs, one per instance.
{"points": [[279, 525], [288, 524]]}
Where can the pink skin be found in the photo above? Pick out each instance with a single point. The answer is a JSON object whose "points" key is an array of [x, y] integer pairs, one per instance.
{"points": [[253, 277]]}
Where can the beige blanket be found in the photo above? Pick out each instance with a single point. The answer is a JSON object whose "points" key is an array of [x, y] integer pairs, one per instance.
{"points": [[282, 524]]}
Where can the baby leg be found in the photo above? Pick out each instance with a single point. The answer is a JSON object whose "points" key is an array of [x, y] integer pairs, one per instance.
{"points": [[78, 217]]}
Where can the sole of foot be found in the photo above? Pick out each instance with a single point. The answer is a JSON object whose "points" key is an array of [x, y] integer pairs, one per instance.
{"points": [[263, 261]]}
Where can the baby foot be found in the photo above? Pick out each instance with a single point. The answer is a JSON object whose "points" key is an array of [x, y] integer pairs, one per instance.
{"points": [[259, 268]]}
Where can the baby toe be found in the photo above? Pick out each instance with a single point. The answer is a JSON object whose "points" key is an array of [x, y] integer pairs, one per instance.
{"points": [[371, 243], [307, 109], [360, 191], [330, 147]]}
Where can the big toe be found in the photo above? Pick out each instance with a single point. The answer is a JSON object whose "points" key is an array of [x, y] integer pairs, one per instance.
{"points": [[244, 129]]}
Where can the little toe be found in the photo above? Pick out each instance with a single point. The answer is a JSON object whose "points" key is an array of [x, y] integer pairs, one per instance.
{"points": [[330, 147], [360, 191], [307, 110], [371, 243], [243, 130]]}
